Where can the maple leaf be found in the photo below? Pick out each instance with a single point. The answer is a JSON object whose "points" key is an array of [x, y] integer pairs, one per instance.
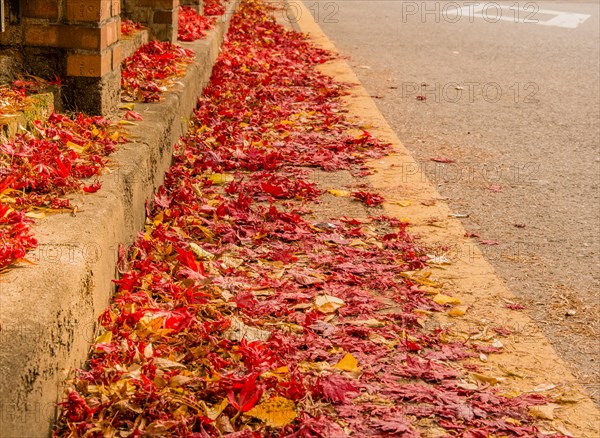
{"points": [[396, 424], [443, 160], [249, 394], [133, 115], [334, 388], [370, 199]]}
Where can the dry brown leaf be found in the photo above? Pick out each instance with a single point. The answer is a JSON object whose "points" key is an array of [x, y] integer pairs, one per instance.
{"points": [[328, 303]]}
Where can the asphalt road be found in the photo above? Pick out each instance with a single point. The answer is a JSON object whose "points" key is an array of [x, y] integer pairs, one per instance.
{"points": [[512, 96]]}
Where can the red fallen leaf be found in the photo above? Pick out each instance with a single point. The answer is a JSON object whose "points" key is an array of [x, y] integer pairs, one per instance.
{"points": [[187, 259], [162, 198], [92, 188], [63, 166], [412, 346], [515, 306], [249, 394], [77, 408], [470, 234], [421, 97], [517, 225], [503, 331], [133, 115], [293, 389], [55, 81], [213, 7], [274, 190], [6, 182], [370, 199], [489, 242], [495, 188], [192, 26], [129, 27], [178, 319], [442, 160], [334, 388], [245, 300], [15, 235], [396, 424]]}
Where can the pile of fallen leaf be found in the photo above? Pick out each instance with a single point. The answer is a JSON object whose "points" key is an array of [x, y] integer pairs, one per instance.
{"points": [[146, 74], [236, 315], [193, 26], [214, 7], [130, 27], [40, 168], [13, 97], [11, 100]]}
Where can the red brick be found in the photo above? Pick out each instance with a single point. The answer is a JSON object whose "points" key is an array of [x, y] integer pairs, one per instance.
{"points": [[40, 9], [42, 36], [111, 32], [87, 38], [159, 4], [88, 10], [117, 55], [74, 37], [91, 66]]}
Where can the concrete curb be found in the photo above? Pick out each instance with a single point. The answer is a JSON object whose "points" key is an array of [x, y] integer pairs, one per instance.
{"points": [[48, 311]]}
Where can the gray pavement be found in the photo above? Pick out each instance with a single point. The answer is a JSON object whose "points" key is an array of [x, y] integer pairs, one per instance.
{"points": [[512, 96]]}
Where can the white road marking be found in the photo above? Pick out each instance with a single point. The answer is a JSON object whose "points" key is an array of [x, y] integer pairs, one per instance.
{"points": [[528, 14]]}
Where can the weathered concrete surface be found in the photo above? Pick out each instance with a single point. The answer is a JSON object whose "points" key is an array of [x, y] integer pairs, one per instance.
{"points": [[129, 44], [48, 310]]}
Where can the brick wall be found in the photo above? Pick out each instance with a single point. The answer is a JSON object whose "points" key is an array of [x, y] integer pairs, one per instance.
{"points": [[79, 40], [160, 16]]}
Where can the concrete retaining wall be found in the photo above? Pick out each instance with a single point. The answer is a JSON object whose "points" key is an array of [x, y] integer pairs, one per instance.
{"points": [[48, 311]]}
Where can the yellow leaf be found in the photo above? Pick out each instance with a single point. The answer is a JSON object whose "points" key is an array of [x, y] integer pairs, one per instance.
{"points": [[445, 299], [159, 218], [276, 412], [347, 363], [115, 136], [545, 412], [104, 338], [328, 303], [36, 214], [403, 203], [214, 411], [458, 311], [75, 146], [281, 370], [279, 373], [486, 379], [422, 279], [200, 252], [335, 192], [220, 178], [127, 106]]}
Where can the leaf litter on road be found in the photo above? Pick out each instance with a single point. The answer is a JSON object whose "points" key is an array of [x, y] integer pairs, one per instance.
{"points": [[237, 316]]}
